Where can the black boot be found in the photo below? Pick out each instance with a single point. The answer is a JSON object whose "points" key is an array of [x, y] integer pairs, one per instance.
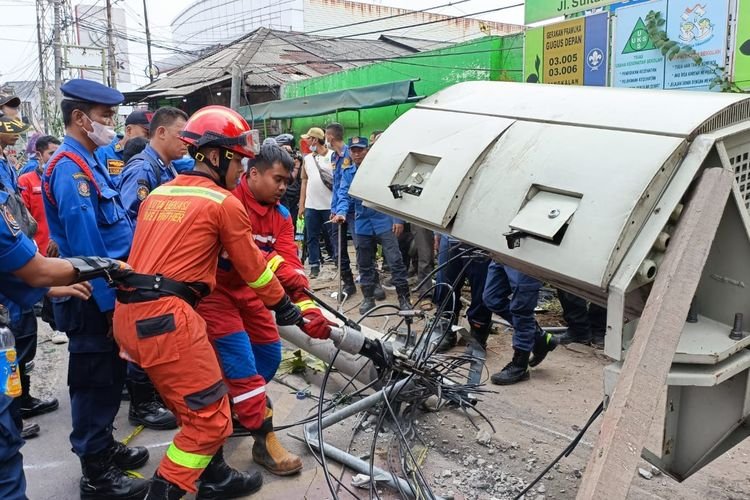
{"points": [[378, 291], [544, 344], [161, 489], [368, 302], [103, 480], [219, 480], [314, 272], [403, 297], [31, 406], [147, 410], [349, 287], [570, 337], [444, 334], [515, 371], [479, 335], [30, 430], [127, 458]]}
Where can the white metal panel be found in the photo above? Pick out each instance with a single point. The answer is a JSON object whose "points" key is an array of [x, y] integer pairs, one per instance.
{"points": [[444, 147], [651, 111], [545, 214]]}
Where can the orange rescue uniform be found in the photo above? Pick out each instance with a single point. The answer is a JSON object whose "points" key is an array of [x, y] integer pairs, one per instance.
{"points": [[182, 228]]}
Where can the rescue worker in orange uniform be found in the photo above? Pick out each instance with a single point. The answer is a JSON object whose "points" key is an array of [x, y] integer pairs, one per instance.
{"points": [[182, 228], [240, 328]]}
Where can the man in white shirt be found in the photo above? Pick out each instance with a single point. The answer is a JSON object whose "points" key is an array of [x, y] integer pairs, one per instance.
{"points": [[315, 195]]}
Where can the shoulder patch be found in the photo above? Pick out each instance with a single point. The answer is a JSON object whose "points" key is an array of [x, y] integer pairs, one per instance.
{"points": [[283, 210], [346, 163], [115, 166], [83, 188], [142, 192], [10, 220]]}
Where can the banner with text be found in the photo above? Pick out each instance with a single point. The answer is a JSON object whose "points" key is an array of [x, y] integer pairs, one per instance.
{"points": [[742, 51], [569, 53], [539, 10], [638, 63]]}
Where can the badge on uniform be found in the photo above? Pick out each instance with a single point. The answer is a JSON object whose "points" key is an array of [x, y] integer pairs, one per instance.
{"points": [[83, 188], [115, 166], [10, 220], [142, 192], [347, 163]]}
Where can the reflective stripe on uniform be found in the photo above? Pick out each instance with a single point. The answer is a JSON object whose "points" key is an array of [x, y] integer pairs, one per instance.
{"points": [[199, 192], [248, 395], [306, 305], [262, 280], [275, 262], [188, 460]]}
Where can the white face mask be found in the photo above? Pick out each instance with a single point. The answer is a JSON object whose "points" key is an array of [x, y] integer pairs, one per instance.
{"points": [[101, 135], [313, 148]]}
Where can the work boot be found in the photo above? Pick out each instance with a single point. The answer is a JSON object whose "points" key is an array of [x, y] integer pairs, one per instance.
{"points": [[597, 341], [314, 271], [103, 480], [378, 291], [268, 451], [444, 334], [31, 406], [544, 344], [127, 458], [349, 287], [515, 371], [30, 430], [220, 481], [573, 337], [147, 410], [161, 489], [403, 297], [368, 302], [479, 335]]}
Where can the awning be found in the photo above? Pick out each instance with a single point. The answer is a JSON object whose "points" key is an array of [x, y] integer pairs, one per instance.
{"points": [[372, 96]]}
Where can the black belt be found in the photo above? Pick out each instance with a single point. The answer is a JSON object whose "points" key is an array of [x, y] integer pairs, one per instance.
{"points": [[148, 287]]}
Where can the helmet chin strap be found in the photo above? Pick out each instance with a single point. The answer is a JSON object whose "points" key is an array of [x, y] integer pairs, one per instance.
{"points": [[222, 169]]}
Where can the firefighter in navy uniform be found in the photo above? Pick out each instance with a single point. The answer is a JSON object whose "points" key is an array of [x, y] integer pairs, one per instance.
{"points": [[23, 275], [110, 156], [86, 217]]}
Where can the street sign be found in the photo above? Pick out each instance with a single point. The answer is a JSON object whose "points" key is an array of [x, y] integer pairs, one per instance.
{"points": [[539, 10], [77, 57]]}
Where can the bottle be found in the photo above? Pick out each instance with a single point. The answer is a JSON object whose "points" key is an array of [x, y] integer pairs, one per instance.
{"points": [[10, 379], [299, 234]]}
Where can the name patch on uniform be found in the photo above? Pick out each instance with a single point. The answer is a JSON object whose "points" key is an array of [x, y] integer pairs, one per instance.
{"points": [[142, 192], [10, 220], [80, 175], [115, 166], [83, 188]]}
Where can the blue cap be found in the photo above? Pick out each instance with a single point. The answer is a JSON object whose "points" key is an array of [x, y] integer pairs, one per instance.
{"points": [[358, 142], [93, 92]]}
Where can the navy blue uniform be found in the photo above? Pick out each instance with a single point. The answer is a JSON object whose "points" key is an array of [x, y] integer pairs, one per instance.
{"points": [[8, 175], [342, 203], [138, 179], [16, 250], [86, 217], [110, 157]]}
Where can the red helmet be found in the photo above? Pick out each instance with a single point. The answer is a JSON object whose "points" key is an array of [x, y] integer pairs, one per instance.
{"points": [[222, 127]]}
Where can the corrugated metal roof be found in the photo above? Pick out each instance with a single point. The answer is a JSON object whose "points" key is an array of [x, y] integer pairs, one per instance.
{"points": [[270, 58]]}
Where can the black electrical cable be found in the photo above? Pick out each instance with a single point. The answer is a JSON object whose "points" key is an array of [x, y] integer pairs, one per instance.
{"points": [[566, 452]]}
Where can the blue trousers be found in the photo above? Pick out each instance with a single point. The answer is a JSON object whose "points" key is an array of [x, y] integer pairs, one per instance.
{"points": [[315, 226], [12, 479], [96, 374], [475, 273], [344, 250], [366, 245], [513, 296]]}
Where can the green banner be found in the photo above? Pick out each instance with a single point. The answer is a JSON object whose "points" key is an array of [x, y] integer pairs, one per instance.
{"points": [[533, 52], [539, 10], [742, 52]]}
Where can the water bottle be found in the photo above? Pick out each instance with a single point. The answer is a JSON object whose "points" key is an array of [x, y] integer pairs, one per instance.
{"points": [[299, 234], [10, 378]]}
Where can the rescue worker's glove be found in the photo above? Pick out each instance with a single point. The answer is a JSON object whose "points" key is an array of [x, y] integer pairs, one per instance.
{"points": [[316, 325], [381, 353], [287, 313], [88, 268]]}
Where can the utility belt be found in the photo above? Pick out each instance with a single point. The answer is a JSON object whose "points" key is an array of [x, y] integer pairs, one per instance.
{"points": [[150, 287]]}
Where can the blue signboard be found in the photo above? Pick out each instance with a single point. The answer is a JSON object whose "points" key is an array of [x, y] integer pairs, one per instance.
{"points": [[637, 63], [596, 42]]}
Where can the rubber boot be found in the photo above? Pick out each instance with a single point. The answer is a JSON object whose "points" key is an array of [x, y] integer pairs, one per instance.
{"points": [[515, 371], [220, 481], [368, 302], [378, 291], [161, 489], [268, 451], [403, 297], [31, 406], [128, 458], [544, 344], [146, 408], [103, 480], [349, 287]]}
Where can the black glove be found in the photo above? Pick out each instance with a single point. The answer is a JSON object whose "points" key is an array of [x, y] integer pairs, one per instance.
{"points": [[287, 313], [89, 268], [380, 353]]}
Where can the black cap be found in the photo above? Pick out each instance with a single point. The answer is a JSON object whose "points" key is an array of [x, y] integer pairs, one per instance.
{"points": [[140, 117], [10, 100]]}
